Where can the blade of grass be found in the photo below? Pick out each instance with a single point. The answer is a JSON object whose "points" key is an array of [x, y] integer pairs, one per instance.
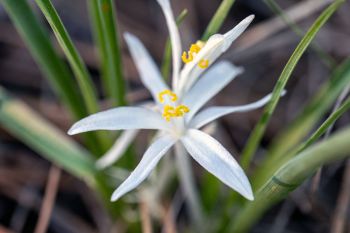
{"points": [[36, 132], [259, 129], [167, 51], [103, 15], [302, 125], [97, 33], [48, 61], [326, 124], [48, 141], [84, 80], [218, 18], [78, 66], [290, 176], [327, 60], [42, 50]]}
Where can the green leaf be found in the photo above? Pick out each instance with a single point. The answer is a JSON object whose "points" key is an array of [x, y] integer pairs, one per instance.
{"points": [[325, 125], [78, 66], [42, 50], [218, 18], [49, 62], [298, 129], [260, 128], [44, 138], [326, 59], [103, 16], [51, 143], [76, 62], [290, 176]]}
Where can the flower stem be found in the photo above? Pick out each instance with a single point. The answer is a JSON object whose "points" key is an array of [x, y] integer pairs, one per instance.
{"points": [[187, 184]]}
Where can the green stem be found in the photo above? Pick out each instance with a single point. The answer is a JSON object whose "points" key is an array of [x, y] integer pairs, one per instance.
{"points": [[188, 184]]}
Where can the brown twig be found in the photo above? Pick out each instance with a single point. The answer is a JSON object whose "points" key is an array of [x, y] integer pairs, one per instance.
{"points": [[340, 212], [49, 199], [145, 217]]}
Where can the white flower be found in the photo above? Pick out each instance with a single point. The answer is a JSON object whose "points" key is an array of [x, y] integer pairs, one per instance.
{"points": [[175, 111]]}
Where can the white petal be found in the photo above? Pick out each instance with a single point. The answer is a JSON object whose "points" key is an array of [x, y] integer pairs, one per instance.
{"points": [[235, 32], [117, 150], [213, 113], [149, 160], [211, 155], [214, 80], [148, 70], [174, 37], [120, 118], [215, 46]]}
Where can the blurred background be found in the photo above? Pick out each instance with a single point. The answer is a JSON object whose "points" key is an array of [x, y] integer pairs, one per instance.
{"points": [[263, 51]]}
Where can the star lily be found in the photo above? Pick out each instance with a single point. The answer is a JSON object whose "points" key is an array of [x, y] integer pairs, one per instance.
{"points": [[175, 111]]}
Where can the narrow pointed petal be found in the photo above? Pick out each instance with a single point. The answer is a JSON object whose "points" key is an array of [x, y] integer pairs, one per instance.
{"points": [[149, 160], [148, 70], [235, 32], [174, 37], [120, 118], [117, 150], [210, 114], [209, 85], [211, 155], [215, 46]]}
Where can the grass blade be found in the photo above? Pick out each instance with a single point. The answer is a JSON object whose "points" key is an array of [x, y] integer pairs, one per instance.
{"points": [[291, 175], [218, 18], [78, 66], [36, 132], [326, 124], [49, 62], [76, 62], [42, 50], [48, 141], [103, 15], [259, 129], [301, 126], [327, 60]]}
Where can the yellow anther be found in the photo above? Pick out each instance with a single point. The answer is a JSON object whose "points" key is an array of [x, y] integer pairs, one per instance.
{"points": [[172, 95], [181, 110], [170, 111], [200, 43], [187, 57], [195, 48], [203, 63]]}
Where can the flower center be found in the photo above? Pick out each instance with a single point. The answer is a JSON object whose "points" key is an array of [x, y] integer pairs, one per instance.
{"points": [[172, 111], [194, 50]]}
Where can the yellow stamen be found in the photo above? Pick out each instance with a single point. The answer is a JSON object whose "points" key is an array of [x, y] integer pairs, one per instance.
{"points": [[200, 43], [187, 57], [181, 110], [203, 63], [170, 111], [173, 96], [195, 48]]}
